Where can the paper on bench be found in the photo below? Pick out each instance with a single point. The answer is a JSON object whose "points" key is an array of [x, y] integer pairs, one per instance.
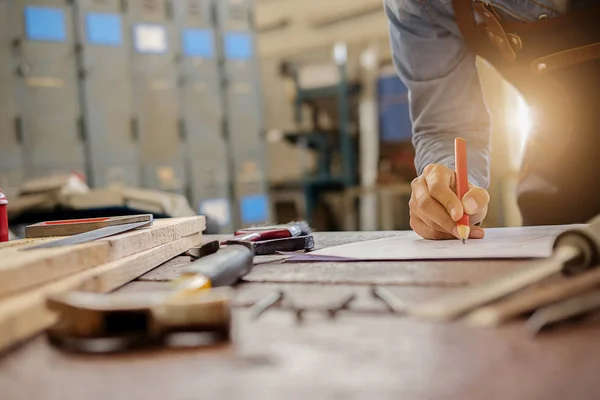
{"points": [[522, 242]]}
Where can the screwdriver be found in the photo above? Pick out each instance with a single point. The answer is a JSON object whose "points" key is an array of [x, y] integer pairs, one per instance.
{"points": [[221, 268], [574, 251], [563, 311]]}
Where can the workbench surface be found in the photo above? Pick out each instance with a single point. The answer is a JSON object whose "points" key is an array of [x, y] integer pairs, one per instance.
{"points": [[365, 353]]}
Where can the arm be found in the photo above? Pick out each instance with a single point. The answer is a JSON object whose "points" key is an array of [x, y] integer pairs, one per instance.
{"points": [[446, 100]]}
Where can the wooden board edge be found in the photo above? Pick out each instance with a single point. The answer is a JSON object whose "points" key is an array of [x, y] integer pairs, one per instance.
{"points": [[155, 236], [25, 315], [82, 257]]}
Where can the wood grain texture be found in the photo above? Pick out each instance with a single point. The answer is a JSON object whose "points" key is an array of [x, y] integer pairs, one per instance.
{"points": [[354, 357], [24, 269], [310, 296], [25, 314], [445, 274]]}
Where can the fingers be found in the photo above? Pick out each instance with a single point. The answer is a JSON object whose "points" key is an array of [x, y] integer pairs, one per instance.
{"points": [[439, 180], [435, 208], [476, 232], [475, 203], [426, 232]]}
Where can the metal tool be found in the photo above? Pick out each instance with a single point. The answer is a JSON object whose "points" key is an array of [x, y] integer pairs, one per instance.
{"points": [[262, 305], [204, 250], [97, 323], [69, 227], [222, 268], [574, 251], [293, 229], [343, 305], [261, 248], [563, 311], [90, 236], [534, 298], [393, 303]]}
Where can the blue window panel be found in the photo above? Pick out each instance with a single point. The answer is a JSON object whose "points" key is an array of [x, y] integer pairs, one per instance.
{"points": [[104, 29], [198, 43], [394, 113], [45, 24], [255, 209], [217, 209], [238, 46], [150, 39]]}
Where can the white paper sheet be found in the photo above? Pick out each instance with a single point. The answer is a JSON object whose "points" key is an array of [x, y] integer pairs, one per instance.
{"points": [[523, 242]]}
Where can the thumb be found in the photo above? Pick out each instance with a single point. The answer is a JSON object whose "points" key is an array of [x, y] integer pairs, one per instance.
{"points": [[475, 200]]}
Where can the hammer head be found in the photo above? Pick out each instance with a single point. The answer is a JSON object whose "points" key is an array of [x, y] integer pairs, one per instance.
{"points": [[139, 318]]}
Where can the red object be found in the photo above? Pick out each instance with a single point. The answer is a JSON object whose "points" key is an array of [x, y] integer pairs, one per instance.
{"points": [[264, 235], [272, 232], [3, 218], [462, 174], [74, 221]]}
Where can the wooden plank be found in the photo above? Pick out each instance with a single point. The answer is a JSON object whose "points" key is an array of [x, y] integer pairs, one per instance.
{"points": [[446, 274], [24, 315], [24, 269], [352, 357]]}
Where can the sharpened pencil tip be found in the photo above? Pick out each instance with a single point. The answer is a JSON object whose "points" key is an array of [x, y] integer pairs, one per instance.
{"points": [[464, 241]]}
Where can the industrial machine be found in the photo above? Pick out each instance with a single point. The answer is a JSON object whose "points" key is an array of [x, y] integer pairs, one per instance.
{"points": [[156, 95], [11, 161], [244, 112], [47, 96], [336, 100], [106, 94], [202, 111]]}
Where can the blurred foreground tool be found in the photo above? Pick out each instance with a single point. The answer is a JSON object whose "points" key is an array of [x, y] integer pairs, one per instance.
{"points": [[575, 251], [393, 303], [92, 229], [96, 323], [262, 305], [564, 311], [531, 299], [224, 267], [3, 218]]}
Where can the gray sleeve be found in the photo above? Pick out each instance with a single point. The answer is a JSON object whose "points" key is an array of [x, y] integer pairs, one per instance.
{"points": [[445, 95]]}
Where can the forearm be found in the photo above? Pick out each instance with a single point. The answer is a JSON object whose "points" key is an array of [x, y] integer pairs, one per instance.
{"points": [[437, 121], [445, 94]]}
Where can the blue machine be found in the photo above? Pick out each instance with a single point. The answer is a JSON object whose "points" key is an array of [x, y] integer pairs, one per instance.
{"points": [[106, 94], [202, 112], [47, 97], [394, 113], [243, 105], [156, 95], [11, 158]]}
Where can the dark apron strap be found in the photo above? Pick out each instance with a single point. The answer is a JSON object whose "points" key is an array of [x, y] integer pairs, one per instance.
{"points": [[530, 44]]}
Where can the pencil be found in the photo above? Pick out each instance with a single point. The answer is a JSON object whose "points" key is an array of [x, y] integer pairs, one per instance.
{"points": [[462, 184]]}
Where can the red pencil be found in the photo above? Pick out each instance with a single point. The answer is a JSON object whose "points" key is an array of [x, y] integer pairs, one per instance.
{"points": [[462, 184]]}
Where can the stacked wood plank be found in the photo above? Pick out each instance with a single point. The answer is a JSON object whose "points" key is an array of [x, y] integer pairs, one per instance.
{"points": [[28, 277]]}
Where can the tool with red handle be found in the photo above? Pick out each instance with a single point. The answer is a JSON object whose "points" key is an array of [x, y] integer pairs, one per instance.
{"points": [[293, 229]]}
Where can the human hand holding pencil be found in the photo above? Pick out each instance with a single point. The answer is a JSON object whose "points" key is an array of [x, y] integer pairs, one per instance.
{"points": [[436, 209]]}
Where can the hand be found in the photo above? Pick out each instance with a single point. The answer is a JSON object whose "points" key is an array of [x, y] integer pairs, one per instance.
{"points": [[435, 207]]}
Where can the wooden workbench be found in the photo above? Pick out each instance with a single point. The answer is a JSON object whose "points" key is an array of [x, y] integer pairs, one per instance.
{"points": [[365, 353]]}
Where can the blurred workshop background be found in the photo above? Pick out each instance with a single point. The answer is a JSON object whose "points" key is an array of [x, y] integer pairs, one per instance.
{"points": [[248, 112]]}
